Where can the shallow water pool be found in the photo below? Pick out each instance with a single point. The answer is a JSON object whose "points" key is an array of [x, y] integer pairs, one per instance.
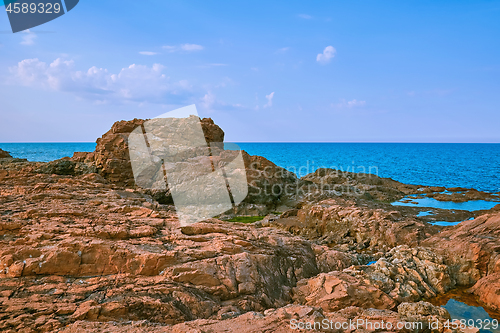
{"points": [[427, 213], [472, 314], [444, 223], [463, 306], [433, 203]]}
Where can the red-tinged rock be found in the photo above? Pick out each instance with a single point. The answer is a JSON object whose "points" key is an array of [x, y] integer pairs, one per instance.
{"points": [[471, 249], [283, 320], [342, 223], [337, 290], [79, 252], [269, 187], [331, 260], [87, 310], [488, 291], [111, 156], [14, 270]]}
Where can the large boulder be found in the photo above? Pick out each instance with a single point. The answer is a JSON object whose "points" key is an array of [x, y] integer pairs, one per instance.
{"points": [[488, 291], [270, 187], [471, 249], [111, 156], [4, 154]]}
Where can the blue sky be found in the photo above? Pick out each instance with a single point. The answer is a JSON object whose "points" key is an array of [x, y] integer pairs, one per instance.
{"points": [[352, 71]]}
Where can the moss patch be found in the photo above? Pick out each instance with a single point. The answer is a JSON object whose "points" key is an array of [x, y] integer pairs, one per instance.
{"points": [[246, 219]]}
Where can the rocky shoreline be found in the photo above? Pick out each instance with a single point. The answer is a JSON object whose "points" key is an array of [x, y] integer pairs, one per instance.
{"points": [[84, 249]]}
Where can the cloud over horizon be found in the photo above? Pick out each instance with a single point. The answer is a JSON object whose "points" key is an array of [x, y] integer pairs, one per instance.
{"points": [[137, 83]]}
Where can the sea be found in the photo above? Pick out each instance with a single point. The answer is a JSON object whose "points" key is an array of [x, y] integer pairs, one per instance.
{"points": [[469, 165]]}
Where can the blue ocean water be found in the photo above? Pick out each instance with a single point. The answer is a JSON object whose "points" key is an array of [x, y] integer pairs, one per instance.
{"points": [[439, 164], [45, 152], [434, 164]]}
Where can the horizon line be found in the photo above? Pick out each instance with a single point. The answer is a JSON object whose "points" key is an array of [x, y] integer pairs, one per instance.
{"points": [[415, 142]]}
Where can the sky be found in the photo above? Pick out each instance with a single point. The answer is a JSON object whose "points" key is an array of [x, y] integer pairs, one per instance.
{"points": [[265, 71]]}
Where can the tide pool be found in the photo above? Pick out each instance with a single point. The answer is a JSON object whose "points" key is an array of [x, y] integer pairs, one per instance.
{"points": [[470, 206]]}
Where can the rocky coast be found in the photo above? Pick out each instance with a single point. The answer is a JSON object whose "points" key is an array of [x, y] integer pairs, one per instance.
{"points": [[82, 248]]}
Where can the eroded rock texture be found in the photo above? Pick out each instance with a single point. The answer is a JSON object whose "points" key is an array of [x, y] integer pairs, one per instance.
{"points": [[343, 224]]}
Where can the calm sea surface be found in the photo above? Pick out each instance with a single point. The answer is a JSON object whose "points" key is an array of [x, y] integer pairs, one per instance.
{"points": [[449, 164]]}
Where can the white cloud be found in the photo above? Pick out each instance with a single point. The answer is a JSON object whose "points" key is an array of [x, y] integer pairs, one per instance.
{"points": [[208, 100], [349, 104], [269, 100], [210, 103], [28, 38], [191, 47], [170, 48], [148, 53], [283, 50], [183, 47], [305, 16], [327, 55], [355, 103], [134, 83], [213, 65]]}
